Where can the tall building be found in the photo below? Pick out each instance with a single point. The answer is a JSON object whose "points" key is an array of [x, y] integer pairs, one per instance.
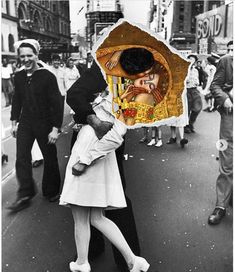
{"points": [[46, 21], [9, 28], [183, 33], [157, 13], [101, 14]]}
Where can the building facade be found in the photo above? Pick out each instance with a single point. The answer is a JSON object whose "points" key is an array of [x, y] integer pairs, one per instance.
{"points": [[193, 26], [48, 22], [9, 28], [183, 32], [158, 10], [100, 15]]}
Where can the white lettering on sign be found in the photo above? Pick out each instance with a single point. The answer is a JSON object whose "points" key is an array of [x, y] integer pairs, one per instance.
{"points": [[209, 26]]}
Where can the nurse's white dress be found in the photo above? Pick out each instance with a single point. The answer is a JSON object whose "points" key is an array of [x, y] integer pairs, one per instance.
{"points": [[100, 185]]}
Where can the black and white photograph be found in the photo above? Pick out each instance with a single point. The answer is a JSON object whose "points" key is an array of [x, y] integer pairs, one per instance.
{"points": [[117, 135]]}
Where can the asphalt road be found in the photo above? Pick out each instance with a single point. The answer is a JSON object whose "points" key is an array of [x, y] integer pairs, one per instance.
{"points": [[172, 192]]}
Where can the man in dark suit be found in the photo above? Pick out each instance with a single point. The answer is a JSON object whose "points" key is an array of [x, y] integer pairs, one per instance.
{"points": [[83, 67], [79, 97], [222, 91]]}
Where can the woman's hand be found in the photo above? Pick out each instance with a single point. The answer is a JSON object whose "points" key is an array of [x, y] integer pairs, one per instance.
{"points": [[78, 169], [113, 61]]}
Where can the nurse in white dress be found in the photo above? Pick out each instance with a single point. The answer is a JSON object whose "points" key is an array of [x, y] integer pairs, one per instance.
{"points": [[98, 188]]}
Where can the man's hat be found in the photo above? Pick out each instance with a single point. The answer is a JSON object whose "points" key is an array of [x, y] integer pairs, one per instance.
{"points": [[212, 60], [32, 42]]}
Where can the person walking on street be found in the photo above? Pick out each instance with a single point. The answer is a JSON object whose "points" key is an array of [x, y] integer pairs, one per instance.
{"points": [[36, 114], [173, 138], [7, 86], [193, 95], [156, 137], [210, 70], [82, 67], [180, 123], [71, 73], [202, 75], [60, 76], [221, 89]]}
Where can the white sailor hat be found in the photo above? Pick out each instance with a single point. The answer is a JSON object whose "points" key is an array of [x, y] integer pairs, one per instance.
{"points": [[33, 42]]}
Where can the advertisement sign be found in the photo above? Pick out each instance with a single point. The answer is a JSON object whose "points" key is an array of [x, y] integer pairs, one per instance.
{"points": [[211, 23], [214, 30], [54, 46]]}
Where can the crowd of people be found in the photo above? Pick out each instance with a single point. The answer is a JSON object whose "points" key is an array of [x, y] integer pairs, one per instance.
{"points": [[95, 188]]}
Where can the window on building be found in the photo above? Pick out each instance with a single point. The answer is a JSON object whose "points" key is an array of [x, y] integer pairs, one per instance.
{"points": [[37, 19], [11, 43], [2, 43], [55, 26], [61, 27], [21, 12], [181, 18], [47, 4], [64, 30], [181, 6], [54, 7], [181, 22], [50, 24], [193, 25], [181, 27], [44, 23]]}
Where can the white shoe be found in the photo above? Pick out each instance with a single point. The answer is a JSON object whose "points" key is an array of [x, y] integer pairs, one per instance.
{"points": [[74, 267], [140, 264], [159, 143], [152, 142]]}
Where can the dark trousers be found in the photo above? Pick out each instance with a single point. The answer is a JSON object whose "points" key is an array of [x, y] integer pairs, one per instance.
{"points": [[194, 104], [224, 183], [28, 131], [62, 98], [123, 218]]}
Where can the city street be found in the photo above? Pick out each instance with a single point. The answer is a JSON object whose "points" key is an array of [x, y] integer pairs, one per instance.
{"points": [[172, 192], [138, 45]]}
